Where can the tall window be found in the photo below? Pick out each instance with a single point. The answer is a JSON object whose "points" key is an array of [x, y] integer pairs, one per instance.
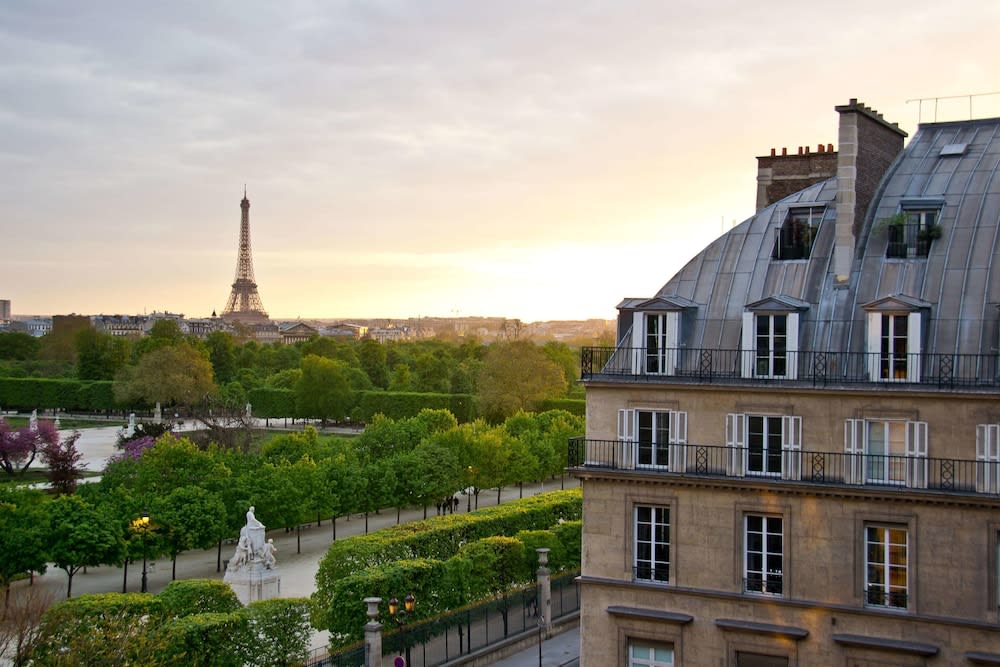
{"points": [[886, 566], [911, 233], [764, 445], [654, 438], [650, 654], [763, 557], [796, 236], [652, 543], [885, 460], [771, 349], [656, 343], [893, 355]]}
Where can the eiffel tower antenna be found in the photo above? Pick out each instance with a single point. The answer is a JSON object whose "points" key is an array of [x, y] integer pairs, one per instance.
{"points": [[244, 303]]}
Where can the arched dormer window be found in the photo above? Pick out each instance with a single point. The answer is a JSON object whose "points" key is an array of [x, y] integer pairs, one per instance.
{"points": [[770, 342], [895, 328]]}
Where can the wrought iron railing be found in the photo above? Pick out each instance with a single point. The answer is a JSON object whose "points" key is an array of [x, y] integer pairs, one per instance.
{"points": [[768, 584], [878, 596], [870, 470], [804, 366], [651, 573]]}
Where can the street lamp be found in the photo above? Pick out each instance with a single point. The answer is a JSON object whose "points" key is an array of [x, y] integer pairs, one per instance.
{"points": [[399, 616], [143, 523]]}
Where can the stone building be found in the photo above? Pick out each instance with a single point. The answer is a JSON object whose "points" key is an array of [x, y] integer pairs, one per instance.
{"points": [[793, 453]]}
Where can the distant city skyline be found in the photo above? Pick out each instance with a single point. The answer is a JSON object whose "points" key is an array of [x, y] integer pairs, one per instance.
{"points": [[520, 160]]}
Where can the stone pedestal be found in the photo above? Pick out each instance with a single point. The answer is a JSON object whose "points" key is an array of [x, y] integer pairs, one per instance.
{"points": [[254, 582]]}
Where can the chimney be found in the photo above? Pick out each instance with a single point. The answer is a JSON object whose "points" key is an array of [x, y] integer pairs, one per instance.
{"points": [[868, 145]]}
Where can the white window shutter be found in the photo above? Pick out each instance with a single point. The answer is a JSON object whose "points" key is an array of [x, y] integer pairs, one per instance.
{"points": [[793, 345], [874, 348], [626, 439], [988, 458], [913, 351], [916, 455], [854, 448], [671, 342], [791, 445], [638, 343], [749, 345], [736, 442], [678, 441]]}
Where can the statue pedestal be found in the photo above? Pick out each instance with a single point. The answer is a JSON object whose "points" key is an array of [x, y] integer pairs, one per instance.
{"points": [[254, 582]]}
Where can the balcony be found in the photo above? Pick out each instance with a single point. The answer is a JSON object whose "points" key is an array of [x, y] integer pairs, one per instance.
{"points": [[806, 368], [794, 466]]}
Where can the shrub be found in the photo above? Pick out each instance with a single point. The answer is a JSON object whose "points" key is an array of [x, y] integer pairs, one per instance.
{"points": [[278, 632], [193, 596]]}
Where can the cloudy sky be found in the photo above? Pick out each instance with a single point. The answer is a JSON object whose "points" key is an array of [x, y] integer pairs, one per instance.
{"points": [[538, 160]]}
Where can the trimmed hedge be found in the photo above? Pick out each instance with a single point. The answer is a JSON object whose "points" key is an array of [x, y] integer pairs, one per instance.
{"points": [[272, 403], [184, 597], [438, 539], [46, 393], [575, 406], [206, 640], [403, 404]]}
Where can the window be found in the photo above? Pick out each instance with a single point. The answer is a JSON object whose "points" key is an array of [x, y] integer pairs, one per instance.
{"points": [[653, 438], [763, 554], [770, 338], [796, 236], [894, 337], [652, 543], [911, 233], [886, 566], [988, 458], [886, 452], [892, 349], [764, 445], [747, 659], [650, 654], [771, 350], [654, 342]]}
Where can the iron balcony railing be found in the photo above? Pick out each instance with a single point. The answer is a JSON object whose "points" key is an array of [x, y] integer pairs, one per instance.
{"points": [[868, 470], [877, 596], [767, 584], [804, 367]]}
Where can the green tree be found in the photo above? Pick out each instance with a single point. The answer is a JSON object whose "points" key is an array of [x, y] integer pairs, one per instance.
{"points": [[324, 390], [174, 375], [81, 535], [188, 517], [99, 356], [280, 632], [222, 355], [22, 534], [18, 346], [516, 376], [372, 355], [401, 379]]}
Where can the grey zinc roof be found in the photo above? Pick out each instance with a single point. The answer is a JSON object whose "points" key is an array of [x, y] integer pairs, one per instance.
{"points": [[958, 283]]}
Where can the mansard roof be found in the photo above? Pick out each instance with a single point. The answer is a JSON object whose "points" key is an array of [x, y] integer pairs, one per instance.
{"points": [[957, 283]]}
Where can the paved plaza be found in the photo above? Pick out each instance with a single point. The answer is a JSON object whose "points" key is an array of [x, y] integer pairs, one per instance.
{"points": [[297, 570]]}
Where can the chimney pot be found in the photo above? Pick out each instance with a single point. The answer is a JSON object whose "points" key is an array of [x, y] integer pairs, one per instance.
{"points": [[773, 152], [784, 150], [800, 150], [853, 101], [819, 148], [829, 148]]}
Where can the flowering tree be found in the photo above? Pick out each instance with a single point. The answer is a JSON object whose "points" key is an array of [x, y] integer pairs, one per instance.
{"points": [[63, 461], [18, 448]]}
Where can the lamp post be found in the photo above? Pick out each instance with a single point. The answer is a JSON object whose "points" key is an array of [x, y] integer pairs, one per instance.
{"points": [[399, 616], [142, 524]]}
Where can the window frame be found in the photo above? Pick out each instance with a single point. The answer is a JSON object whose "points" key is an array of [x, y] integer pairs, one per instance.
{"points": [[738, 442], [674, 449], [649, 662], [888, 595], [749, 353], [914, 237], [763, 577], [800, 222], [658, 357], [667, 529], [859, 460], [885, 362]]}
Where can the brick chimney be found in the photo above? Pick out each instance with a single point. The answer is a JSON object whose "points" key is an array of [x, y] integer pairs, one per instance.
{"points": [[780, 175], [868, 145]]}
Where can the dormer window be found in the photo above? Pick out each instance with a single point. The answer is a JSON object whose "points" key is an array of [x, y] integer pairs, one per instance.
{"points": [[655, 335], [771, 338], [795, 237], [894, 335], [911, 232]]}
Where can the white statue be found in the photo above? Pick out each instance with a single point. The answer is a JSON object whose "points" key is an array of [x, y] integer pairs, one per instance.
{"points": [[242, 555], [252, 521], [130, 429], [269, 550], [157, 414], [33, 421], [249, 407]]}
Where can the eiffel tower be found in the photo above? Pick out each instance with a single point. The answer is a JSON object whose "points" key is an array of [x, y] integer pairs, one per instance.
{"points": [[244, 303]]}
